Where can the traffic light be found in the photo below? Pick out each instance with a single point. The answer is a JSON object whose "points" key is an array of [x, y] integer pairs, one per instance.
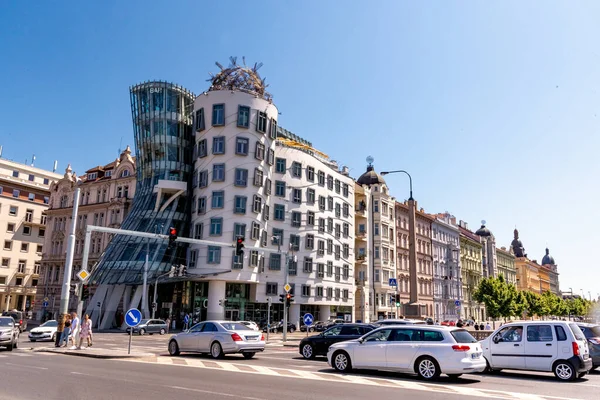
{"points": [[239, 246], [289, 298], [172, 237], [282, 298], [398, 303], [85, 292]]}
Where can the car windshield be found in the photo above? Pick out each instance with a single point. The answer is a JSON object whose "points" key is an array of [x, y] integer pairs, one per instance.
{"points": [[144, 321], [49, 324], [577, 332], [591, 331], [4, 322], [463, 336], [234, 326]]}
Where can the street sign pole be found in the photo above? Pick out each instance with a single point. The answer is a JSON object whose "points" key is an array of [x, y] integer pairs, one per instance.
{"points": [[130, 336], [268, 317], [133, 316]]}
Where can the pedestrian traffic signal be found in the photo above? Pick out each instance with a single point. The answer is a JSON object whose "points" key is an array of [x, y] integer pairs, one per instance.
{"points": [[239, 246], [85, 292], [172, 237], [398, 303], [282, 298]]}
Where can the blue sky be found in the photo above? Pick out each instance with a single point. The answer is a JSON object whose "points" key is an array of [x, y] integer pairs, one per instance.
{"points": [[493, 108]]}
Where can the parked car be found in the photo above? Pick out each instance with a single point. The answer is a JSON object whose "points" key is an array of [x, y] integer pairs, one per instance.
{"points": [[385, 322], [46, 331], [9, 333], [552, 346], [218, 338], [320, 326], [19, 318], [250, 324], [425, 350], [150, 326], [317, 345], [448, 323], [592, 334]]}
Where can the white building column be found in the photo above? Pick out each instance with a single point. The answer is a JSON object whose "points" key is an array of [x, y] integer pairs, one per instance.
{"points": [[216, 292], [324, 313], [295, 315]]}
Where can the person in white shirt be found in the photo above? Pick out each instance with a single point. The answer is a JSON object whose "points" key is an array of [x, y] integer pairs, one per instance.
{"points": [[488, 327], [75, 329]]}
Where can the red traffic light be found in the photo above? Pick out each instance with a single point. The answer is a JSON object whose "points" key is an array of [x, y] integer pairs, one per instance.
{"points": [[288, 296], [173, 232], [240, 240]]}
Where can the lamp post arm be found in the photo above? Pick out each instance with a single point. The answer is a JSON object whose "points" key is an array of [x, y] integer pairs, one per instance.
{"points": [[404, 172]]}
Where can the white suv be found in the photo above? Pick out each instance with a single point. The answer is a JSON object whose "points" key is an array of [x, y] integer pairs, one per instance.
{"points": [[550, 346]]}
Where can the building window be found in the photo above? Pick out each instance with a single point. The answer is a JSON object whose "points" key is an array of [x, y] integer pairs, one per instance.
{"points": [[321, 248], [13, 211], [337, 186], [277, 236], [255, 232], [201, 205], [261, 122], [329, 224], [243, 119], [216, 226], [310, 173], [6, 262], [266, 211], [241, 146], [240, 204], [275, 261], [308, 265], [296, 219], [7, 245], [338, 273], [330, 203], [253, 261], [319, 291], [322, 203], [321, 224], [296, 169], [42, 232], [219, 145], [310, 241], [375, 206], [200, 120], [346, 210], [310, 218], [214, 255], [310, 196], [305, 290], [345, 190], [295, 242], [337, 231], [15, 174], [31, 197], [218, 174], [198, 231], [329, 246], [329, 182], [273, 131], [272, 288], [346, 229], [218, 199], [256, 204], [321, 178], [239, 230], [16, 193], [202, 148], [267, 186], [338, 210], [270, 156], [241, 177], [292, 270], [218, 117], [258, 177], [280, 166], [279, 212], [280, 188], [297, 196], [259, 151], [27, 230], [203, 179], [346, 271]]}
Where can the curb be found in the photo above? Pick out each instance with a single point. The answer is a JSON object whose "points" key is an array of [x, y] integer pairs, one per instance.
{"points": [[79, 353]]}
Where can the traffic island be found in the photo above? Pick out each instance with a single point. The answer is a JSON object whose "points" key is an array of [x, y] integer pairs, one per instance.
{"points": [[94, 352]]}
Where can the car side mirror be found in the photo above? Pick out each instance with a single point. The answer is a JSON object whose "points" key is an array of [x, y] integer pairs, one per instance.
{"points": [[497, 339], [361, 340]]}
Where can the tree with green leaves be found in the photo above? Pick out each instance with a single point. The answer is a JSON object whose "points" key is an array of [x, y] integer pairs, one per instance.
{"points": [[498, 297]]}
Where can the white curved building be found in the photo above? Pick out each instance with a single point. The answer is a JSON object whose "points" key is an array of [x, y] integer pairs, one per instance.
{"points": [[256, 180]]}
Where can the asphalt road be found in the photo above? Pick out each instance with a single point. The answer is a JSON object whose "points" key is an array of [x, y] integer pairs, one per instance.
{"points": [[44, 376]]}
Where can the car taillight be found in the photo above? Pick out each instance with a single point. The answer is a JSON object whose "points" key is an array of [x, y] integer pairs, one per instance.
{"points": [[575, 349], [20, 322], [262, 338], [594, 340], [237, 338], [457, 347]]}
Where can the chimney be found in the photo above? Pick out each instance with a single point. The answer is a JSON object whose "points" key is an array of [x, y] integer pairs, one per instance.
{"points": [[345, 171]]}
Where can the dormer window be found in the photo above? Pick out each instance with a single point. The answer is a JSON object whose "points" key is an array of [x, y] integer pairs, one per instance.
{"points": [[125, 173], [92, 176], [108, 173]]}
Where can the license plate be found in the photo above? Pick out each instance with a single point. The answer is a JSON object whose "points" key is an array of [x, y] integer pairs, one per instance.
{"points": [[475, 355], [251, 337]]}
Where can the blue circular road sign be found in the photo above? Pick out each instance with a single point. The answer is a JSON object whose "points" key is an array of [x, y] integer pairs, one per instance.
{"points": [[457, 303], [308, 319], [133, 316], [45, 304]]}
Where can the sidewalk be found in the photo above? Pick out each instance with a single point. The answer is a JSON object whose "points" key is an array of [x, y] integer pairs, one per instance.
{"points": [[93, 352]]}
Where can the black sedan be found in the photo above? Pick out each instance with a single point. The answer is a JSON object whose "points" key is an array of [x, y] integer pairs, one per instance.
{"points": [[319, 344], [279, 328]]}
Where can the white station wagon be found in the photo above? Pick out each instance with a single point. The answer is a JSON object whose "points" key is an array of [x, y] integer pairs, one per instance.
{"points": [[425, 350], [551, 346]]}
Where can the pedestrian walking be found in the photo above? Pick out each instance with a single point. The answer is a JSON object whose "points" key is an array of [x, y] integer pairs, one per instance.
{"points": [[75, 328], [168, 322], [481, 326], [186, 320], [488, 327], [86, 331], [64, 336], [476, 326]]}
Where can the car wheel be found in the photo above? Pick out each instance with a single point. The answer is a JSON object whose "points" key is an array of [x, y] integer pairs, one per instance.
{"points": [[248, 356], [308, 351], [341, 361], [163, 331], [427, 368], [216, 351], [16, 343], [564, 371], [32, 340], [454, 376], [142, 332], [311, 329], [54, 337], [173, 348], [9, 347]]}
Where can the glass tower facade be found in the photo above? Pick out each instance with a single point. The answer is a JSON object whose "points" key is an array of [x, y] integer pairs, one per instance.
{"points": [[162, 125]]}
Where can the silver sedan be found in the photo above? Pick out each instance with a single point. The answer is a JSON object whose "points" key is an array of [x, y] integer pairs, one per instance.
{"points": [[218, 338]]}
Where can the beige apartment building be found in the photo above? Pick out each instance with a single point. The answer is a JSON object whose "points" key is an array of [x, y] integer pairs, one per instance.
{"points": [[24, 196], [106, 195]]}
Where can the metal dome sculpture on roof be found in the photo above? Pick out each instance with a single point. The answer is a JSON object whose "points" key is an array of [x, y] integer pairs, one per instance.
{"points": [[548, 259], [483, 231], [240, 78], [370, 177]]}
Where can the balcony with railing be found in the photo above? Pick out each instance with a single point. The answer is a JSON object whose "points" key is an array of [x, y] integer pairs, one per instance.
{"points": [[21, 271], [29, 220], [361, 235], [361, 258]]}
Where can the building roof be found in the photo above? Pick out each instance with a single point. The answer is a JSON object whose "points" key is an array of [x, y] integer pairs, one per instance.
{"points": [[370, 177], [548, 259], [483, 231], [468, 234]]}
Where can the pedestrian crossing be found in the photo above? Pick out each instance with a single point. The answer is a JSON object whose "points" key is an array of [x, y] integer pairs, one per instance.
{"points": [[331, 376]]}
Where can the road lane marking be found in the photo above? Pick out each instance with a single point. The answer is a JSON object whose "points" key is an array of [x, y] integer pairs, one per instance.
{"points": [[26, 366], [237, 396]]}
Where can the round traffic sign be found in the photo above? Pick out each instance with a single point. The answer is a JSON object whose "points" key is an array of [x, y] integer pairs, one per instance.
{"points": [[308, 319], [457, 303], [133, 317]]}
